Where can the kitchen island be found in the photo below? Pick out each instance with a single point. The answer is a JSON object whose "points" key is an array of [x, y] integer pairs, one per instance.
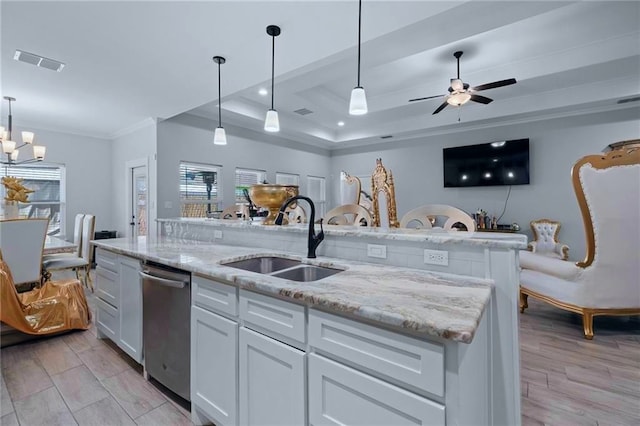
{"points": [[390, 342]]}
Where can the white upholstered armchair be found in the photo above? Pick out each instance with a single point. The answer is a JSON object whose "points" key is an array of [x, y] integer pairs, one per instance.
{"points": [[607, 281], [545, 239]]}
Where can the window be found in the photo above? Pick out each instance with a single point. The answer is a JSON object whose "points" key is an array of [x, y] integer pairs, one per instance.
{"points": [[199, 189], [244, 179], [287, 179], [316, 191], [47, 200]]}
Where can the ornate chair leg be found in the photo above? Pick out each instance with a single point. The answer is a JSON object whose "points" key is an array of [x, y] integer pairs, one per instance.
{"points": [[87, 274], [587, 323], [523, 301]]}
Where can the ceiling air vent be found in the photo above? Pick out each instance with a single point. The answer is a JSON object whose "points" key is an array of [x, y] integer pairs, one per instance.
{"points": [[386, 137], [303, 111], [624, 101], [37, 60]]}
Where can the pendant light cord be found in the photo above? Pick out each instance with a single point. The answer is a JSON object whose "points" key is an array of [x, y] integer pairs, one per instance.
{"points": [[9, 122], [273, 59], [219, 99], [359, 32]]}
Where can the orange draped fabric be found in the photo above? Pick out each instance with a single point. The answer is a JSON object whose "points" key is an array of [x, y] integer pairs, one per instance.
{"points": [[55, 307]]}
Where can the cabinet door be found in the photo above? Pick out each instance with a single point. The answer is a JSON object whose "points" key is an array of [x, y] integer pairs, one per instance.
{"points": [[214, 366], [272, 381], [108, 286], [339, 395], [130, 339]]}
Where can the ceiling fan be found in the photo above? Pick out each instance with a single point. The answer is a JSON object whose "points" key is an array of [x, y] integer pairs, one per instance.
{"points": [[460, 93]]}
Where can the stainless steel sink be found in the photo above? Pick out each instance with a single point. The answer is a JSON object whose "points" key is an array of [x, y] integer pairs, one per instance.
{"points": [[264, 265], [307, 273]]}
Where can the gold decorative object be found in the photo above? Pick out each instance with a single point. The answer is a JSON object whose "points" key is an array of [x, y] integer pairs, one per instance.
{"points": [[271, 196], [16, 191], [382, 181]]}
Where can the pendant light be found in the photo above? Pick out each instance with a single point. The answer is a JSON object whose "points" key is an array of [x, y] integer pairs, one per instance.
{"points": [[219, 137], [358, 102], [271, 123]]}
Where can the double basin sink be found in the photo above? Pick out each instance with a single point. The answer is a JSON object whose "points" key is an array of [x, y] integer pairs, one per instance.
{"points": [[282, 267]]}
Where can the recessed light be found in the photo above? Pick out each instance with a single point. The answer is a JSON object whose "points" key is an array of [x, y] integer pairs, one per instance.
{"points": [[511, 175], [464, 177], [487, 175], [340, 123], [498, 144], [495, 160], [263, 91]]}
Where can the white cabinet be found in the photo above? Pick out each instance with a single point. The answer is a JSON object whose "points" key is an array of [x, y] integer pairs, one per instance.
{"points": [[130, 336], [214, 366], [119, 304], [339, 395], [272, 381], [214, 352]]}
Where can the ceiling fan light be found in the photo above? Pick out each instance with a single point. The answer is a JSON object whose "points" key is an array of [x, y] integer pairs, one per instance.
{"points": [[220, 136], [457, 84], [358, 102], [458, 99], [272, 123]]}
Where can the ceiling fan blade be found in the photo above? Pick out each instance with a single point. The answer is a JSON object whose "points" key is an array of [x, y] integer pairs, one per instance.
{"points": [[440, 108], [495, 84], [423, 99], [481, 99]]}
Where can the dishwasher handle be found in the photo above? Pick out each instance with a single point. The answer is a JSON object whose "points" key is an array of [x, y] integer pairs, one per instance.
{"points": [[162, 281]]}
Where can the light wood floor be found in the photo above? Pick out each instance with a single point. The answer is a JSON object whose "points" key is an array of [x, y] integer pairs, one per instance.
{"points": [[566, 380]]}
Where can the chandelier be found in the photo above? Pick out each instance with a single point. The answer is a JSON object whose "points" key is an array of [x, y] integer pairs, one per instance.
{"points": [[11, 149]]}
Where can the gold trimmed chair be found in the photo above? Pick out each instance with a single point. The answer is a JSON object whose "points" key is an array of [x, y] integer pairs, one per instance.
{"points": [[296, 214], [77, 262], [231, 212], [424, 217], [607, 281], [22, 242], [382, 183], [348, 214], [545, 239]]}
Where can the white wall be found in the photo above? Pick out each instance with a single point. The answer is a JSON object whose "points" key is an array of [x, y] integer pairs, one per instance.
{"points": [[555, 145], [87, 162], [136, 145], [189, 138]]}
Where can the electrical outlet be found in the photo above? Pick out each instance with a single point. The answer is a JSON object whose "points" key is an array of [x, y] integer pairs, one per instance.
{"points": [[436, 257], [217, 234], [377, 250]]}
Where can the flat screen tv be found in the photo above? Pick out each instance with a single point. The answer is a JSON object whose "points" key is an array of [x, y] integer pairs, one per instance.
{"points": [[487, 164]]}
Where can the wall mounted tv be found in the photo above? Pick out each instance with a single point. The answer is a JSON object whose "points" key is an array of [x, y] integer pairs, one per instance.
{"points": [[487, 164]]}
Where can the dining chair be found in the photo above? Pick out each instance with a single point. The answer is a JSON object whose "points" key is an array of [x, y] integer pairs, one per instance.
{"points": [[22, 243], [348, 214], [77, 262], [296, 214], [77, 240], [422, 217]]}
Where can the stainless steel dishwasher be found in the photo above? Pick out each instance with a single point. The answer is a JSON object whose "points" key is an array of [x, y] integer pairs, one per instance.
{"points": [[166, 326]]}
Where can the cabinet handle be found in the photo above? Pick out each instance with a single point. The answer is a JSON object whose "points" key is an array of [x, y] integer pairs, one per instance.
{"points": [[162, 281]]}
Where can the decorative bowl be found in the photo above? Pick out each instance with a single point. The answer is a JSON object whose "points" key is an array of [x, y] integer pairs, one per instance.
{"points": [[271, 197]]}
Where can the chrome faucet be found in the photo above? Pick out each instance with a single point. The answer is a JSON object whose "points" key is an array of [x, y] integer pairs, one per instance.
{"points": [[313, 240]]}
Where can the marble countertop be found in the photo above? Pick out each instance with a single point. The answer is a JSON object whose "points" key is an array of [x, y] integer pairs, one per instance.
{"points": [[438, 236], [411, 300]]}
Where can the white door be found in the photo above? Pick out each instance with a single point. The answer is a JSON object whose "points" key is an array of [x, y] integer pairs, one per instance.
{"points": [[214, 366], [272, 381], [139, 210]]}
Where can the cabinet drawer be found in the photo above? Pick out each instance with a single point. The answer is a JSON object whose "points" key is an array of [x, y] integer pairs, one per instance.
{"points": [[107, 286], [215, 296], [273, 315], [339, 395], [406, 361], [107, 259], [108, 320]]}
